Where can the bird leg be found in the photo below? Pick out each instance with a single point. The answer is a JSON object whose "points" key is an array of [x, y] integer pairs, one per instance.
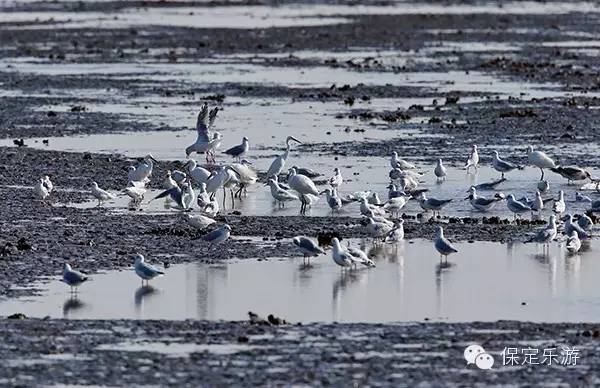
{"points": [[232, 198], [542, 177]]}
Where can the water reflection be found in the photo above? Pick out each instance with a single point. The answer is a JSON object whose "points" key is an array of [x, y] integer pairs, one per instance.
{"points": [[142, 294], [72, 304], [484, 281]]}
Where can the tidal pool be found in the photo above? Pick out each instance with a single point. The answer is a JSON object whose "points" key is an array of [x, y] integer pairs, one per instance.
{"points": [[484, 281]]}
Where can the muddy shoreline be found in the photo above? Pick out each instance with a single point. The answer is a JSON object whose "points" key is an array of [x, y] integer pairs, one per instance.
{"points": [[192, 353]]}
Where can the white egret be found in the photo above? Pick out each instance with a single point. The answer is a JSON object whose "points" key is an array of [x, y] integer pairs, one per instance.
{"points": [[303, 185], [539, 160], [279, 163]]}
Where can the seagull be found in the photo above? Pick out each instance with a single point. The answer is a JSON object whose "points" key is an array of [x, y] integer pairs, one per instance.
{"points": [[515, 206], [473, 159], [573, 242], [394, 205], [188, 197], [178, 176], [373, 199], [543, 186], [432, 204], [218, 235], [400, 164], [196, 173], [135, 192], [397, 233], [101, 195], [48, 183], [280, 195], [585, 222], [144, 270], [334, 202], [239, 150], [481, 203], [303, 185], [393, 192], [502, 165], [538, 202], [559, 205], [336, 180], [205, 143], [199, 221], [40, 190], [169, 182], [175, 193], [360, 257], [539, 160], [489, 185], [440, 170], [143, 170], [308, 247], [582, 198], [366, 209], [340, 256], [572, 173], [571, 226], [73, 278], [378, 229], [279, 163], [547, 233], [442, 244]]}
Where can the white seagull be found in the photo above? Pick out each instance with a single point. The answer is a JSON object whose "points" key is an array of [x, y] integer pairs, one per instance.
{"points": [[559, 205], [239, 150], [473, 159], [144, 270], [442, 244], [517, 207], [101, 195], [205, 142], [336, 180], [501, 165], [573, 242], [401, 164], [440, 170], [143, 170], [73, 278], [308, 247], [40, 190], [280, 195]]}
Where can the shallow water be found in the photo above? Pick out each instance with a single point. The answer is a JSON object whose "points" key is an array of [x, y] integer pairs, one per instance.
{"points": [[484, 281]]}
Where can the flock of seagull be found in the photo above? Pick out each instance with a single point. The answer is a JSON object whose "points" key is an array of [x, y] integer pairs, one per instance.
{"points": [[196, 187]]}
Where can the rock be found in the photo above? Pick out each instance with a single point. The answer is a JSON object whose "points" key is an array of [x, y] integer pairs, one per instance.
{"points": [[17, 316]]}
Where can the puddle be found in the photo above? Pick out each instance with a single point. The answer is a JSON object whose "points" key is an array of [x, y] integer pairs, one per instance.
{"points": [[259, 16], [174, 349], [486, 281]]}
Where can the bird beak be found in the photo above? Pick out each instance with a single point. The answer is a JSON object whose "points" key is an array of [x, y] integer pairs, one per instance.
{"points": [[296, 140], [154, 160], [322, 192], [467, 198]]}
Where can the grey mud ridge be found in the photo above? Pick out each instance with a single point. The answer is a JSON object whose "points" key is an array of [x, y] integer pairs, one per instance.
{"points": [[203, 353], [87, 352]]}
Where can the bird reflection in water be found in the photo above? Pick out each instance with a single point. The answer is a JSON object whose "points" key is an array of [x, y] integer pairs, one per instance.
{"points": [[142, 293], [72, 304]]}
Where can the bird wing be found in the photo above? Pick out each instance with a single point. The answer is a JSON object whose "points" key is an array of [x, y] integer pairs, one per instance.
{"points": [[235, 150], [202, 124], [74, 277], [212, 116], [212, 235], [149, 270], [309, 245]]}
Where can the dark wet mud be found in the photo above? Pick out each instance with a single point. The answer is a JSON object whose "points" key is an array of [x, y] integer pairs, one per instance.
{"points": [[203, 353]]}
